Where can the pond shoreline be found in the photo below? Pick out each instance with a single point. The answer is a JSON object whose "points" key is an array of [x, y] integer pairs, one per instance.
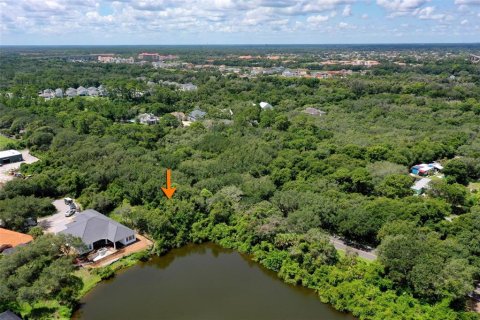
{"points": [[184, 251]]}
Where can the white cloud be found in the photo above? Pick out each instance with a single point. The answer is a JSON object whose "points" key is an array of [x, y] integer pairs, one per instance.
{"points": [[144, 19], [467, 2], [464, 22], [401, 7], [428, 13], [317, 19]]}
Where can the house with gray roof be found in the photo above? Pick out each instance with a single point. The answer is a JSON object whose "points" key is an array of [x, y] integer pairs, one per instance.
{"points": [[196, 115], [81, 91], [9, 315], [71, 92], [59, 93], [95, 228], [92, 91]]}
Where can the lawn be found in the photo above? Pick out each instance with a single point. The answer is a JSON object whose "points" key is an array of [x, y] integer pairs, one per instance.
{"points": [[88, 278], [4, 141]]}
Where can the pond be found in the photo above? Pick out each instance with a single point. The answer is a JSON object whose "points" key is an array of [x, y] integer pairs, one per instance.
{"points": [[202, 282]]}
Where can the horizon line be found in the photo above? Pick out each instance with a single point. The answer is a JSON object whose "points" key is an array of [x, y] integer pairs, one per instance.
{"points": [[243, 44]]}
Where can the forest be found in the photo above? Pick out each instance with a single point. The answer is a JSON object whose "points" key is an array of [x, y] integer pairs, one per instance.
{"points": [[274, 184]]}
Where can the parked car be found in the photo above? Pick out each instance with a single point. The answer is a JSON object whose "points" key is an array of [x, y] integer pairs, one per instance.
{"points": [[70, 212], [68, 200]]}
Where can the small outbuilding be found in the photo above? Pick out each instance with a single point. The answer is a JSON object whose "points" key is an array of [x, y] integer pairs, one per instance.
{"points": [[314, 112], [421, 185], [10, 156], [265, 105]]}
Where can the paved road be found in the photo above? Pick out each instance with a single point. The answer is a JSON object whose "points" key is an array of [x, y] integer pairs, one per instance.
{"points": [[339, 244], [58, 221]]}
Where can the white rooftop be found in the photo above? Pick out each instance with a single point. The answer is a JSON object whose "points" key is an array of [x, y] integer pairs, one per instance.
{"points": [[421, 184], [9, 153]]}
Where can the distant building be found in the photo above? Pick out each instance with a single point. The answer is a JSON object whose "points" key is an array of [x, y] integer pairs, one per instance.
{"points": [[59, 93], [101, 90], [47, 94], [107, 58], [10, 156], [81, 91], [188, 87], [265, 105], [425, 169], [421, 185], [71, 92], [149, 56], [92, 91], [314, 112], [196, 115], [179, 115], [148, 118]]}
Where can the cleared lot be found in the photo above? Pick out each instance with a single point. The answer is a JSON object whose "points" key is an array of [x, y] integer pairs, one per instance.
{"points": [[5, 177], [56, 222]]}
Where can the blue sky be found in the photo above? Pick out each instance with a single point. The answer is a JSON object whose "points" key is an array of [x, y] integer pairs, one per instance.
{"points": [[53, 22]]}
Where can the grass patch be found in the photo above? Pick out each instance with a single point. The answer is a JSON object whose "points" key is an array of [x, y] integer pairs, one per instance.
{"points": [[89, 280], [7, 143], [90, 277]]}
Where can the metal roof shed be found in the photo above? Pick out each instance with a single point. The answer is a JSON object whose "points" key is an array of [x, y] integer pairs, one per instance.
{"points": [[10, 156]]}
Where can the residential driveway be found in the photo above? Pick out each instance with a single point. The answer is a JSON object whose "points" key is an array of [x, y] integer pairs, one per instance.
{"points": [[4, 170], [56, 222]]}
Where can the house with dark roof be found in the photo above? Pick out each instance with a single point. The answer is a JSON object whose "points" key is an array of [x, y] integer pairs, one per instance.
{"points": [[10, 156], [95, 228], [9, 315]]}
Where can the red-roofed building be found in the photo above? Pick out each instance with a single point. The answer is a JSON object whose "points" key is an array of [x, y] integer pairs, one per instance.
{"points": [[11, 239]]}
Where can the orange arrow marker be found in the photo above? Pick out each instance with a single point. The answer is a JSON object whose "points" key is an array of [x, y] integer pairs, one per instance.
{"points": [[169, 191]]}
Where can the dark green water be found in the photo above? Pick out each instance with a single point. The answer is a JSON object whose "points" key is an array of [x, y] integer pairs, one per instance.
{"points": [[202, 282]]}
